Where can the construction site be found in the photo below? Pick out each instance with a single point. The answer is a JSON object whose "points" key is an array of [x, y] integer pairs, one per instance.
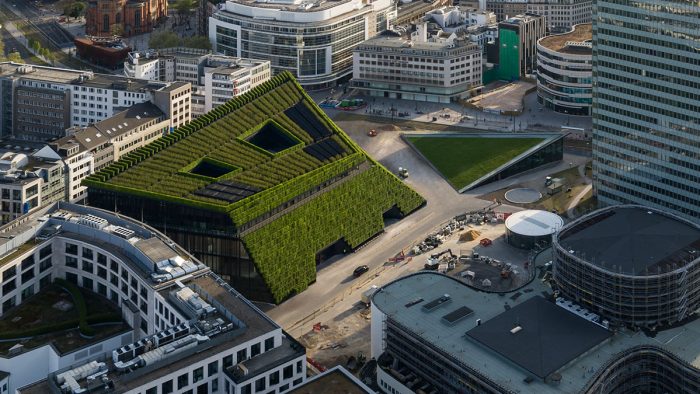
{"points": [[471, 248]]}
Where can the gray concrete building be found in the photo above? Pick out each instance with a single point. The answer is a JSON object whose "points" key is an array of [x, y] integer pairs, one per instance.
{"points": [[646, 105]]}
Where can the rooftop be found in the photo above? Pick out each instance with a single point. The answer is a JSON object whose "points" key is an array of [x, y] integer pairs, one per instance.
{"points": [[101, 132], [250, 168], [293, 5], [633, 240], [336, 380], [566, 42], [394, 300], [73, 77], [549, 336], [534, 223], [406, 44]]}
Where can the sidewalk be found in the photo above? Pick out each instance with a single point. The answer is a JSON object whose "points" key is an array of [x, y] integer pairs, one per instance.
{"points": [[534, 117]]}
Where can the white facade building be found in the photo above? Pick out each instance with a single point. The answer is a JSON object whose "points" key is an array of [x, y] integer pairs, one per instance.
{"points": [[312, 40], [187, 329], [443, 68], [81, 98], [562, 15], [215, 79], [565, 71]]}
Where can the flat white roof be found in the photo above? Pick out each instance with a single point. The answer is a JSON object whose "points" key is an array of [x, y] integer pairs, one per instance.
{"points": [[534, 223]]}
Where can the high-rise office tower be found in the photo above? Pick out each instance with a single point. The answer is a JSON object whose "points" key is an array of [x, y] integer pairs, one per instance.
{"points": [[646, 105]]}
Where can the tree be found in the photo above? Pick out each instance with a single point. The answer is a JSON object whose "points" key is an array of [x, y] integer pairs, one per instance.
{"points": [[117, 29], [165, 39], [184, 8], [74, 9], [15, 57], [201, 42]]}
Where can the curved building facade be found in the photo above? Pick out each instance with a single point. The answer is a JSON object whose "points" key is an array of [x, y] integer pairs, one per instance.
{"points": [[564, 71], [633, 265], [313, 41]]}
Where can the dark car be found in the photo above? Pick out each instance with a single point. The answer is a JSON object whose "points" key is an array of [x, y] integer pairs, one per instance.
{"points": [[360, 270]]}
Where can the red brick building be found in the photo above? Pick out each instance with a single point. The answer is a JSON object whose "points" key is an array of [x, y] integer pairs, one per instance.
{"points": [[132, 16]]}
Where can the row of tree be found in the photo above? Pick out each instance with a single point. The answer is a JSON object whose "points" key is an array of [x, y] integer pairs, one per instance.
{"points": [[169, 39]]}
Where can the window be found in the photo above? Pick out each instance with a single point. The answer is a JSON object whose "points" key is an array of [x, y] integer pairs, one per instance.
{"points": [[241, 355], [227, 362], [203, 388], [44, 265], [27, 292], [105, 23], [45, 281], [287, 372], [144, 326], [71, 249], [101, 272], [87, 283], [254, 350], [269, 343], [197, 374], [27, 276], [102, 289], [298, 366], [9, 273], [101, 259], [8, 287], [182, 381], [297, 382], [274, 378], [246, 389], [87, 254], [71, 262], [152, 390], [212, 368], [45, 252], [167, 387], [87, 266], [260, 384], [27, 262]]}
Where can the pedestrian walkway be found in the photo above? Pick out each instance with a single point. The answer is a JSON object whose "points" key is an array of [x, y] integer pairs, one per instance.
{"points": [[19, 36], [589, 185]]}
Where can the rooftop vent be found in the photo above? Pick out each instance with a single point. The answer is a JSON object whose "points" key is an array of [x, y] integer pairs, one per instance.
{"points": [[93, 221], [457, 315], [123, 232]]}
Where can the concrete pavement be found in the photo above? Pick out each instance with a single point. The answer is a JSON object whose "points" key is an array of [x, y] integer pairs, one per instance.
{"points": [[334, 282]]}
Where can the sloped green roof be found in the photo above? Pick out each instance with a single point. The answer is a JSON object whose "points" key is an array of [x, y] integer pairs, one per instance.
{"points": [[254, 154]]}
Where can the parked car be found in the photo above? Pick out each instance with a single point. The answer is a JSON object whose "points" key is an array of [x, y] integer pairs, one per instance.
{"points": [[360, 270]]}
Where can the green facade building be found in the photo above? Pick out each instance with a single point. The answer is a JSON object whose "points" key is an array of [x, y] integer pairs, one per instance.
{"points": [[261, 189]]}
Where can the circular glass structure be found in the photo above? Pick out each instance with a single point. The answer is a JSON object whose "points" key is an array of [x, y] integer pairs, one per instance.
{"points": [[634, 265], [525, 229]]}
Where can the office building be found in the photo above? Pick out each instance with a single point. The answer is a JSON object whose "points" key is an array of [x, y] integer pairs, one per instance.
{"points": [[39, 103], [215, 79], [561, 15], [31, 175], [433, 333], [124, 17], [169, 323], [517, 38], [564, 71], [264, 178], [443, 68], [313, 41], [646, 105], [505, 9]]}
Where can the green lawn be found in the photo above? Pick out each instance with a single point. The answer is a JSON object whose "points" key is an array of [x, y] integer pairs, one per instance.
{"points": [[462, 160]]}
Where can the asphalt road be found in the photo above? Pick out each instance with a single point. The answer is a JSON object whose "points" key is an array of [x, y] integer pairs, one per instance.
{"points": [[443, 203]]}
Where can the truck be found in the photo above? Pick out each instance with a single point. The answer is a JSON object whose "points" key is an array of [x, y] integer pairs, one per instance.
{"points": [[367, 294]]}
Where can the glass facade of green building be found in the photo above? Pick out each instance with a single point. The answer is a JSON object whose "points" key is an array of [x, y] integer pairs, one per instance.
{"points": [[646, 106], [508, 54]]}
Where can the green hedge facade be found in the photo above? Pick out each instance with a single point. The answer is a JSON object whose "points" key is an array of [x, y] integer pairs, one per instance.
{"points": [[301, 205]]}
